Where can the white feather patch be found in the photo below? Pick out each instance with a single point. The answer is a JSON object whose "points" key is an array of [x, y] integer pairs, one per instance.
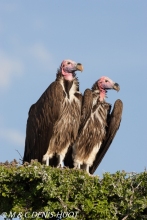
{"points": [[92, 155]]}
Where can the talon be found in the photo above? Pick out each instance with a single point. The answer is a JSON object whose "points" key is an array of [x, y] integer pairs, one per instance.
{"points": [[59, 166], [77, 166], [60, 161]]}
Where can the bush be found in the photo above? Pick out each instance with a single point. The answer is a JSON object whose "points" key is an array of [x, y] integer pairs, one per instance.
{"points": [[37, 191]]}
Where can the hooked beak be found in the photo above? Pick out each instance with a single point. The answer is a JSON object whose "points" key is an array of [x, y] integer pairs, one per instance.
{"points": [[79, 67], [116, 87]]}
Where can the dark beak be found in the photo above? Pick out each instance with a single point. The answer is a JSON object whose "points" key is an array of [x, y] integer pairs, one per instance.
{"points": [[79, 67], [116, 87]]}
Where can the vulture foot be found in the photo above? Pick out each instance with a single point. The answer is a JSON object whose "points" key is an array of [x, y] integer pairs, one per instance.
{"points": [[86, 168], [46, 159], [77, 166], [60, 161]]}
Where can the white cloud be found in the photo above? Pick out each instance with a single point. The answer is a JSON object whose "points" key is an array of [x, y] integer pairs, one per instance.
{"points": [[38, 24], [13, 136], [42, 55], [9, 68]]}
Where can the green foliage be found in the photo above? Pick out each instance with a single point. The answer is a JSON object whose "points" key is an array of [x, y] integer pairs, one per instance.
{"points": [[35, 189]]}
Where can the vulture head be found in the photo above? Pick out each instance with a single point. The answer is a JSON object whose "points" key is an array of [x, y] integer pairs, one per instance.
{"points": [[67, 69], [104, 84]]}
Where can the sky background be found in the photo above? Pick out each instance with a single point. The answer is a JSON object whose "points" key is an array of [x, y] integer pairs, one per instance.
{"points": [[108, 37]]}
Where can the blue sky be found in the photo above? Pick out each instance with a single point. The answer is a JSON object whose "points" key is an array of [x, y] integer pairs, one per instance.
{"points": [[107, 37]]}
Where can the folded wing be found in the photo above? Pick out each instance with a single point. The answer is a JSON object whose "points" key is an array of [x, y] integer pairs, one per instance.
{"points": [[114, 120]]}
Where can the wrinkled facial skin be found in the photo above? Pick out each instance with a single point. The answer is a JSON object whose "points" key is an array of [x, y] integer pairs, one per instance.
{"points": [[69, 66], [106, 83]]}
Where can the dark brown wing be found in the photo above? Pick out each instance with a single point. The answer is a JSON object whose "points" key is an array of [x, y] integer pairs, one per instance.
{"points": [[114, 120], [85, 114], [86, 108], [42, 116]]}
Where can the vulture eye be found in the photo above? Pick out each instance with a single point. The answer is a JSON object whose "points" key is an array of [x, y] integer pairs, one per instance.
{"points": [[68, 63], [106, 80]]}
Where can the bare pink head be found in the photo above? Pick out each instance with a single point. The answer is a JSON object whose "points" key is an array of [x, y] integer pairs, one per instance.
{"points": [[68, 68], [104, 84]]}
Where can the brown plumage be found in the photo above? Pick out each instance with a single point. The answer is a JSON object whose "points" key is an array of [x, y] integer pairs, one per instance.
{"points": [[98, 127], [113, 123], [54, 119]]}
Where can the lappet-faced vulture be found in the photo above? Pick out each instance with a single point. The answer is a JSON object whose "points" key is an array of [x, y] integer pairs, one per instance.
{"points": [[53, 121], [98, 126]]}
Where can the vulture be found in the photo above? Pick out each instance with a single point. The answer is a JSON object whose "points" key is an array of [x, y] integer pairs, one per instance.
{"points": [[98, 127], [53, 121]]}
